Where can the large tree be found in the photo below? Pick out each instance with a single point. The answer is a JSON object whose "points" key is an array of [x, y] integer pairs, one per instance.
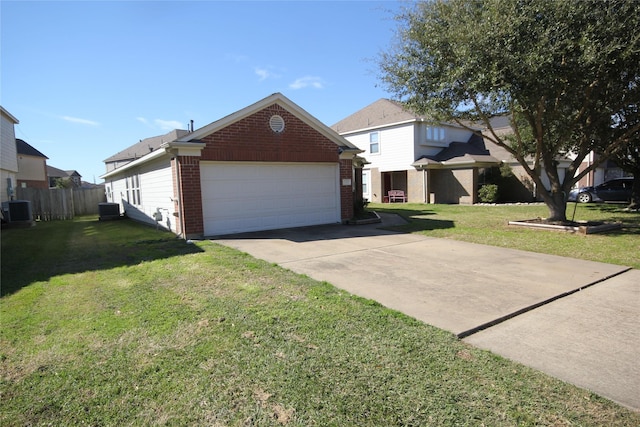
{"points": [[564, 72]]}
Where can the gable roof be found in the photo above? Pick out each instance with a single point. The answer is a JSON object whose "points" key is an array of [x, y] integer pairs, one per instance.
{"points": [[145, 146], [458, 154], [53, 172], [380, 113], [27, 150], [284, 102], [9, 115]]}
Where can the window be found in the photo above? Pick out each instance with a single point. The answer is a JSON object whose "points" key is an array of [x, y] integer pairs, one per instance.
{"points": [[365, 183], [374, 143], [133, 189], [435, 133]]}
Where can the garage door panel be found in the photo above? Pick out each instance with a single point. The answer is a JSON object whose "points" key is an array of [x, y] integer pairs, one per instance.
{"points": [[240, 197]]}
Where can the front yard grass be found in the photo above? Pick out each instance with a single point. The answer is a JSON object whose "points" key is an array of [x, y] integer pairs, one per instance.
{"points": [[488, 224], [114, 323]]}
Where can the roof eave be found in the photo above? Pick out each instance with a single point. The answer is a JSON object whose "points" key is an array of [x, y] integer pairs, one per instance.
{"points": [[276, 98], [156, 154]]}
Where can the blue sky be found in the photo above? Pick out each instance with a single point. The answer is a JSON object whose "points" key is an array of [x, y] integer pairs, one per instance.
{"points": [[87, 79]]}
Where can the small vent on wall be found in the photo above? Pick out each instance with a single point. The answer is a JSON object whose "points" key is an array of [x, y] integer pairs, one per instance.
{"points": [[276, 123]]}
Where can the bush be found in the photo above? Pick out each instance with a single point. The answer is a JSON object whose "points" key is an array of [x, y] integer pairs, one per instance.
{"points": [[488, 193]]}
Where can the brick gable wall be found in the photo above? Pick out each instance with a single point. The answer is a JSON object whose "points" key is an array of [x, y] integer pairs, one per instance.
{"points": [[251, 139]]}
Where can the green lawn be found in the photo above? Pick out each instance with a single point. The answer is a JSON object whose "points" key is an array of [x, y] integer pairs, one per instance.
{"points": [[114, 323], [488, 224]]}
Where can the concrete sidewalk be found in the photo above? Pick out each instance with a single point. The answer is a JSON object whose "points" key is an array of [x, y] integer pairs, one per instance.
{"points": [[463, 287]]}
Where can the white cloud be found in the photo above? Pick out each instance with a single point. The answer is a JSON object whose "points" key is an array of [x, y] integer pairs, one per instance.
{"points": [[143, 120], [168, 124], [264, 73], [80, 121], [307, 81]]}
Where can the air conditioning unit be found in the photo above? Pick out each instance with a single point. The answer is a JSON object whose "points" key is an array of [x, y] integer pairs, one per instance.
{"points": [[108, 211], [17, 211]]}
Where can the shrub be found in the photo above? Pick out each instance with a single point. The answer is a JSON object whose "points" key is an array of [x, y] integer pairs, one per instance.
{"points": [[488, 193]]}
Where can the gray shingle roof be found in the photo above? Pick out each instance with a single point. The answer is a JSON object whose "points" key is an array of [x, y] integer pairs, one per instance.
{"points": [[380, 113], [27, 150], [146, 146]]}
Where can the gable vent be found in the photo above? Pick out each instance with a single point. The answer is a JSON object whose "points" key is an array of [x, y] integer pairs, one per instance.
{"points": [[276, 123]]}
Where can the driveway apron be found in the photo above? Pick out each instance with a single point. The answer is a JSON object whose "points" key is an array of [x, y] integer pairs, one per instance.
{"points": [[482, 293]]}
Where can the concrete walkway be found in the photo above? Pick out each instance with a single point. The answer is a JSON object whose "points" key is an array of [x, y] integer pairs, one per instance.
{"points": [[522, 305]]}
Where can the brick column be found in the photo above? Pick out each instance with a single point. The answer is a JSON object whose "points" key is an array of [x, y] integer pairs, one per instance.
{"points": [[346, 191], [190, 195]]}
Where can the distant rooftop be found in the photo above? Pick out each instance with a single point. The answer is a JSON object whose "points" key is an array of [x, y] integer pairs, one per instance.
{"points": [[27, 150], [146, 146]]}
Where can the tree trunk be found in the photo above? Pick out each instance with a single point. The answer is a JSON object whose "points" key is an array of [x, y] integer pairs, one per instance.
{"points": [[557, 207]]}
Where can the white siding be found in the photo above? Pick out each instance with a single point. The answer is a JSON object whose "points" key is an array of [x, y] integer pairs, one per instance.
{"points": [[396, 147], [423, 147], [8, 157], [156, 193]]}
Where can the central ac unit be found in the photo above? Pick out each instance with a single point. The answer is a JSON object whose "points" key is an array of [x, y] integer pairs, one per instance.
{"points": [[17, 211], [108, 211]]}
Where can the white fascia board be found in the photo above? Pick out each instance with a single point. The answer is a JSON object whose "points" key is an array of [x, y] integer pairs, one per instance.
{"points": [[276, 98], [188, 149], [9, 115], [160, 152], [381, 127], [347, 154]]}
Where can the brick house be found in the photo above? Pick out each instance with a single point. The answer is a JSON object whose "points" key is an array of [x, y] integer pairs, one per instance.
{"points": [[270, 165]]}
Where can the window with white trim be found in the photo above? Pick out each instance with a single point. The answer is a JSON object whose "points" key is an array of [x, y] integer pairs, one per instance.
{"points": [[374, 142], [365, 183], [435, 133], [133, 189]]}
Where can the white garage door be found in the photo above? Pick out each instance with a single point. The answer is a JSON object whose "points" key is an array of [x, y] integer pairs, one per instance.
{"points": [[241, 197]]}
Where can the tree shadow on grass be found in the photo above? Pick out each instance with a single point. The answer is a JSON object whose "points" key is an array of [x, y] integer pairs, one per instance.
{"points": [[417, 220], [55, 248], [617, 212]]}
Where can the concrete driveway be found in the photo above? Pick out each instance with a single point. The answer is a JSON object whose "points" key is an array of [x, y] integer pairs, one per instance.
{"points": [[522, 305]]}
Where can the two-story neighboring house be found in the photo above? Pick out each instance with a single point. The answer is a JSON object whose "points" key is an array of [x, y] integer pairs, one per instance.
{"points": [[431, 163], [32, 166], [8, 155]]}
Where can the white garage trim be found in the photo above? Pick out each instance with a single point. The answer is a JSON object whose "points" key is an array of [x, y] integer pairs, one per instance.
{"points": [[239, 197]]}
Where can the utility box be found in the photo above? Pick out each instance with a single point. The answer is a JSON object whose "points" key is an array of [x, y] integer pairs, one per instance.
{"points": [[17, 211], [108, 211]]}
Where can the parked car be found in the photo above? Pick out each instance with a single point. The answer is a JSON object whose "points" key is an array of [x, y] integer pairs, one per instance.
{"points": [[615, 190]]}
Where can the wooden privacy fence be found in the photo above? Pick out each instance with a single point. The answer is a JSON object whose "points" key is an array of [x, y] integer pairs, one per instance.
{"points": [[48, 204]]}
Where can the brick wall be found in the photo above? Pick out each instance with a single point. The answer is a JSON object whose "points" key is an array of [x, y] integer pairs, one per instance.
{"points": [[251, 139], [346, 191], [188, 169], [30, 183]]}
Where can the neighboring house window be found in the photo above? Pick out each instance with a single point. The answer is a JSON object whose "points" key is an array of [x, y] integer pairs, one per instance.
{"points": [[365, 182], [435, 133], [374, 142], [133, 189]]}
